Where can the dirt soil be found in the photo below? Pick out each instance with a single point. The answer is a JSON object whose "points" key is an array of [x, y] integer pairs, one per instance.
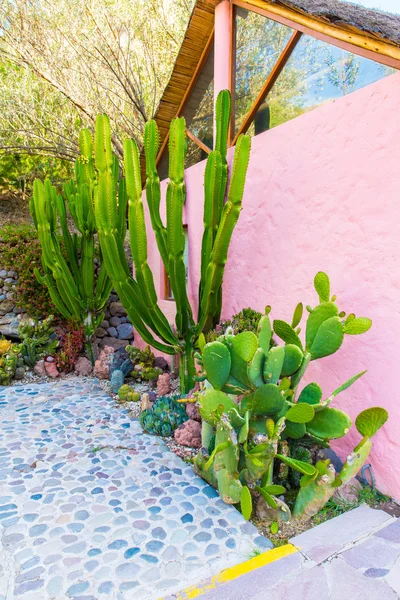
{"points": [[13, 209]]}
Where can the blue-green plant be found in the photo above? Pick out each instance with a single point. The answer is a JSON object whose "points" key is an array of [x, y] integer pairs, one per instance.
{"points": [[254, 407], [70, 269], [164, 416], [38, 340], [138, 294]]}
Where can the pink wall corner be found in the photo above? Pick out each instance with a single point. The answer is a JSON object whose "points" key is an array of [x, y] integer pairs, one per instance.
{"points": [[322, 193]]}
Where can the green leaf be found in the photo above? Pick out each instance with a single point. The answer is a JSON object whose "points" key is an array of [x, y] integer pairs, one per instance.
{"points": [[246, 504], [348, 383], [270, 500], [369, 421], [308, 479], [287, 333], [274, 528], [357, 326], [300, 413], [297, 465], [222, 446], [201, 342], [322, 286], [275, 490], [297, 315]]}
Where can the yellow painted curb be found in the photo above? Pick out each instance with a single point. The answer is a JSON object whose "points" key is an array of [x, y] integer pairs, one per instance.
{"points": [[232, 573]]}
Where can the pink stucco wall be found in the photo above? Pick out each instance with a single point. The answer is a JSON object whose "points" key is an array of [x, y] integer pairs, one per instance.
{"points": [[323, 193]]}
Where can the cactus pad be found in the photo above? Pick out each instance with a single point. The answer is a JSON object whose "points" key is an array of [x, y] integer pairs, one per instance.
{"points": [[357, 326], [267, 400], [318, 315], [328, 338], [292, 360], [246, 504], [217, 364], [273, 364], [264, 333], [369, 421], [311, 394], [245, 345], [211, 402], [329, 423], [287, 333], [322, 286], [300, 413]]}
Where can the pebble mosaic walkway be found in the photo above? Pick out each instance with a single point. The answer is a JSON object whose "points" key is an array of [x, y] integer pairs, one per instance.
{"points": [[92, 508]]}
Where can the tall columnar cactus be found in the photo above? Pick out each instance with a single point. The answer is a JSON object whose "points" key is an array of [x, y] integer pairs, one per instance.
{"points": [[138, 294], [69, 268], [254, 431]]}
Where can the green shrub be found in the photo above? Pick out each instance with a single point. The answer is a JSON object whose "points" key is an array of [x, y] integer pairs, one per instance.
{"points": [[245, 320], [20, 251]]}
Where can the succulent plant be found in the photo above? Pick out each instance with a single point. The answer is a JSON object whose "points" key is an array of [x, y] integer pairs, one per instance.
{"points": [[143, 361], [9, 356], [38, 340], [222, 206], [254, 409], [164, 416], [126, 393]]}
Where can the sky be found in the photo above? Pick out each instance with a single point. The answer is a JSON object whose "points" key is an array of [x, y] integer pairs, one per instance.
{"points": [[392, 6]]}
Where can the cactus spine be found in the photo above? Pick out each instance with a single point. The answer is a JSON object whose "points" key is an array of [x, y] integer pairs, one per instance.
{"points": [[138, 293], [70, 279]]}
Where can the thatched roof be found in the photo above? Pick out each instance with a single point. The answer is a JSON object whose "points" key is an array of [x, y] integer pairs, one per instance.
{"points": [[347, 15], [348, 22]]}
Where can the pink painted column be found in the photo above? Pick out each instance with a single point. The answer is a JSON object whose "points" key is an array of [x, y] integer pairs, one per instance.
{"points": [[222, 44]]}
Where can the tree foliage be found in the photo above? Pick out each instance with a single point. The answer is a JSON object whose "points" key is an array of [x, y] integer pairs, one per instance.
{"points": [[64, 62]]}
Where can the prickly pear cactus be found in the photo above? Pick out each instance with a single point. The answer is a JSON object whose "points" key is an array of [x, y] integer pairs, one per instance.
{"points": [[164, 417], [255, 410]]}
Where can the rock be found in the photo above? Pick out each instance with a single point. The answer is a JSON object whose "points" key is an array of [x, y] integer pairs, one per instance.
{"points": [[161, 363], [50, 359], [112, 332], [105, 325], [51, 370], [152, 396], [189, 434], [100, 332], [163, 384], [145, 402], [39, 368], [112, 342], [192, 411], [115, 321], [6, 307], [102, 364], [349, 490], [125, 331], [121, 361], [123, 320], [117, 310], [83, 366], [19, 373], [114, 298], [117, 380], [3, 274]]}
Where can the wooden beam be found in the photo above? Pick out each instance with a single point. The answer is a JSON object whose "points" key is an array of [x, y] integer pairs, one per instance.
{"points": [[358, 43], [266, 88], [188, 91], [199, 143]]}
